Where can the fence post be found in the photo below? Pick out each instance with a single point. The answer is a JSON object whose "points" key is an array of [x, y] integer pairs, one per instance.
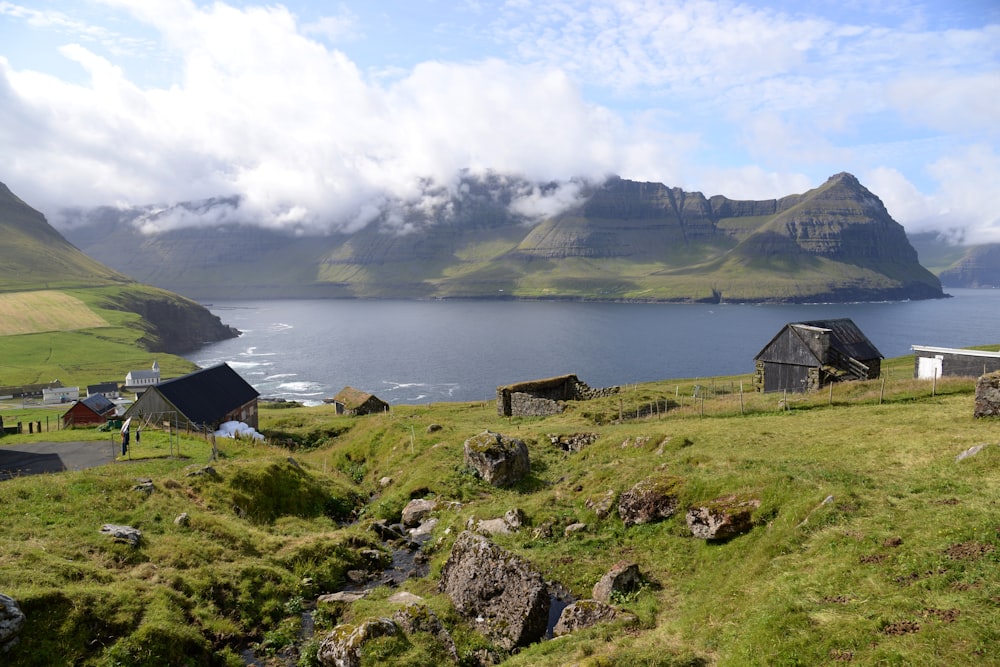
{"points": [[741, 398]]}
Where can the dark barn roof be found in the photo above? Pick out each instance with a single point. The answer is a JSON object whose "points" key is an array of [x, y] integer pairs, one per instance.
{"points": [[844, 337], [206, 395], [98, 403]]}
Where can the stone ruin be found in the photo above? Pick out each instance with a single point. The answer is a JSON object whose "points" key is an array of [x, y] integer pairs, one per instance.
{"points": [[541, 398], [988, 395]]}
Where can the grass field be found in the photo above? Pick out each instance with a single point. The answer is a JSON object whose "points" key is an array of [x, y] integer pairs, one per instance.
{"points": [[79, 342], [45, 310]]}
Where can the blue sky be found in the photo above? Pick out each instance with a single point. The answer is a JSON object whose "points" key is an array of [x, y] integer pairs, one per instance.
{"points": [[320, 114]]}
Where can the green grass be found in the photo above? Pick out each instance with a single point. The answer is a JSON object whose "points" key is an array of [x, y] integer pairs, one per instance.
{"points": [[898, 567]]}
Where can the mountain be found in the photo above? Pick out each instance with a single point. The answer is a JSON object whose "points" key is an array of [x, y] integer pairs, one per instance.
{"points": [[620, 240], [978, 267], [34, 257], [34, 254], [974, 266]]}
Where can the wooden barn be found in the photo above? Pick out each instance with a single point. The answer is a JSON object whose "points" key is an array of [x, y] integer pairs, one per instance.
{"points": [[95, 409], [198, 401], [805, 356], [351, 401], [931, 362]]}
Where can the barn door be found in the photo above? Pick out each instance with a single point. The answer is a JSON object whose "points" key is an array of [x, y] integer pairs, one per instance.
{"points": [[928, 368]]}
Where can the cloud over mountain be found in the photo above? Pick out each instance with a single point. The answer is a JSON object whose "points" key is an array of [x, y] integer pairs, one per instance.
{"points": [[321, 121]]}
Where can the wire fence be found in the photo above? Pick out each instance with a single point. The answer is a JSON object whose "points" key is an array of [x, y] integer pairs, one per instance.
{"points": [[736, 396]]}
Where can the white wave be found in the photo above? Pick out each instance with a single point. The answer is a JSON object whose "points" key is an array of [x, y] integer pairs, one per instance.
{"points": [[299, 386], [278, 376], [247, 365], [252, 352]]}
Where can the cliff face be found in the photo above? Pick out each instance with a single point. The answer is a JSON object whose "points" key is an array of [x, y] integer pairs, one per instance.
{"points": [[621, 240], [980, 267]]}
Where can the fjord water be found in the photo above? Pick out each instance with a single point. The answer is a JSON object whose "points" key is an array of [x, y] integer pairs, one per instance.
{"points": [[428, 351]]}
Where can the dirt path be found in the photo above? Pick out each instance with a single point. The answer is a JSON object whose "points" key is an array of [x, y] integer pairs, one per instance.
{"points": [[42, 457]]}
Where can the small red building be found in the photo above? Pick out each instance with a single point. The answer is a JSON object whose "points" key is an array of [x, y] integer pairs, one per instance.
{"points": [[94, 409]]}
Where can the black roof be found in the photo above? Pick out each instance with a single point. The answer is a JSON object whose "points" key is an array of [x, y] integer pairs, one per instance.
{"points": [[846, 338], [205, 396], [98, 403]]}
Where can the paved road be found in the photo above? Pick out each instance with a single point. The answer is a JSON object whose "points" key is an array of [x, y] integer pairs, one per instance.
{"points": [[40, 457]]}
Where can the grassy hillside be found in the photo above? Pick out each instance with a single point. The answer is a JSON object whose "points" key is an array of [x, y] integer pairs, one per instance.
{"points": [[872, 544], [83, 336], [35, 255]]}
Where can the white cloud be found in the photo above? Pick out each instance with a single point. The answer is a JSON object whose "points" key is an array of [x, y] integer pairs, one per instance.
{"points": [[963, 206], [720, 96]]}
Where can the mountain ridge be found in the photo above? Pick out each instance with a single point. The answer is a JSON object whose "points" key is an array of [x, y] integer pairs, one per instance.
{"points": [[621, 240]]}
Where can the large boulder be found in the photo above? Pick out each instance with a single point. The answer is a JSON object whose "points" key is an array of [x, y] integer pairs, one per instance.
{"points": [[505, 595], [622, 578], [722, 518], [988, 396], [499, 459], [652, 499], [342, 646], [11, 622]]}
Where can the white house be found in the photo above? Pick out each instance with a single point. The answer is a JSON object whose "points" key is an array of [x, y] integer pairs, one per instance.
{"points": [[60, 394], [142, 380]]}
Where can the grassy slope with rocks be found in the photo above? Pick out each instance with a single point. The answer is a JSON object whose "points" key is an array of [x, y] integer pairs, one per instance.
{"points": [[897, 568]]}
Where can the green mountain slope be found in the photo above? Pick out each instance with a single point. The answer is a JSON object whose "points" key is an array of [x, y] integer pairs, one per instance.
{"points": [[622, 240], [35, 255]]}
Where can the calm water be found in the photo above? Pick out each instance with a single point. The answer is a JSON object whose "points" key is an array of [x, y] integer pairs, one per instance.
{"points": [[427, 351]]}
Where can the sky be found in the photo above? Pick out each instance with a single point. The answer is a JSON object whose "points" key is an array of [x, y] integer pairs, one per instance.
{"points": [[321, 116]]}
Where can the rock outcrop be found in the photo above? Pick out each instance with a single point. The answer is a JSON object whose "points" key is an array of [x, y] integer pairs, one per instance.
{"points": [[417, 510], [418, 617], [652, 499], [499, 459], [342, 646], [623, 578], [126, 534], [504, 596], [583, 614], [11, 622], [722, 518], [988, 395], [510, 522]]}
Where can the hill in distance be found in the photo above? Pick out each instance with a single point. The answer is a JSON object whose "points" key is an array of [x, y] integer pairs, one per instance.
{"points": [[974, 266], [623, 241]]}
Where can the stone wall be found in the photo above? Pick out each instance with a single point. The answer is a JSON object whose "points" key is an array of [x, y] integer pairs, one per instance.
{"points": [[540, 398]]}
